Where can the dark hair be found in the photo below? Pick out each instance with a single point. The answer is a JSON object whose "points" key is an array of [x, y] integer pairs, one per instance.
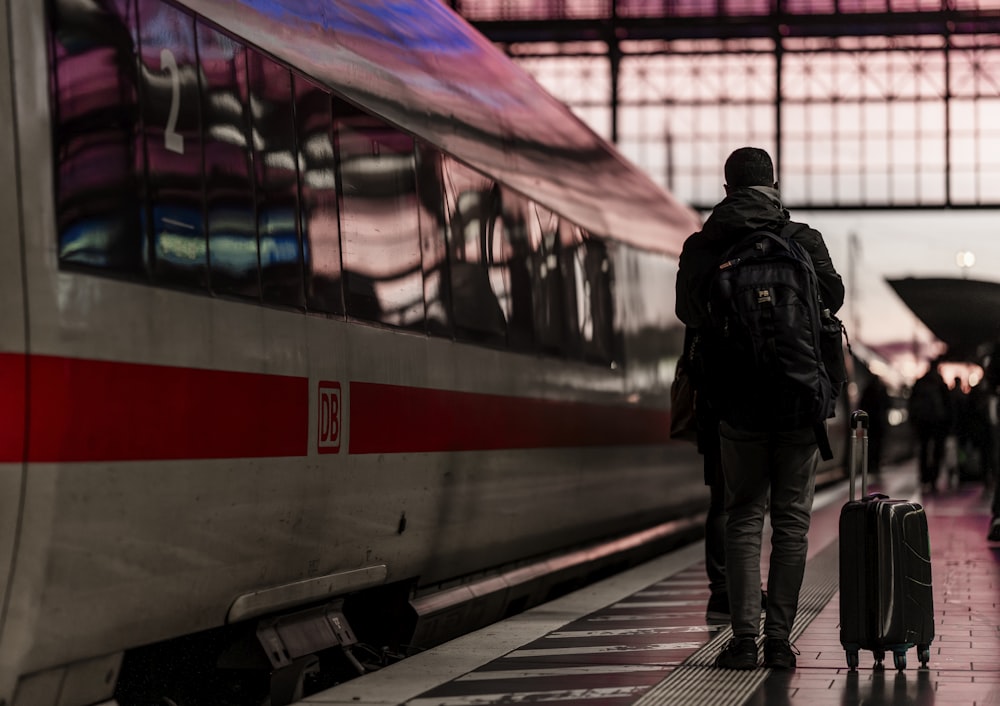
{"points": [[749, 166]]}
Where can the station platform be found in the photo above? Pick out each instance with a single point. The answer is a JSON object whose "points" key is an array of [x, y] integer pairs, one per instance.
{"points": [[641, 638]]}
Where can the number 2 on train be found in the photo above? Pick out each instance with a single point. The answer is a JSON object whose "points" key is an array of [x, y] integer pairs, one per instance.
{"points": [[172, 139]]}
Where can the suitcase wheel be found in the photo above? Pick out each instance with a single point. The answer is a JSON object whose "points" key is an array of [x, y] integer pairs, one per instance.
{"points": [[924, 655], [879, 655], [852, 659], [899, 659]]}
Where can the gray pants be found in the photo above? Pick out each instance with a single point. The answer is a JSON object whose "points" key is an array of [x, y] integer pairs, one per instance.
{"points": [[754, 463]]}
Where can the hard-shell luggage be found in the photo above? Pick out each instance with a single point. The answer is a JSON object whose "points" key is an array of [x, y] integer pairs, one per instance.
{"points": [[886, 602]]}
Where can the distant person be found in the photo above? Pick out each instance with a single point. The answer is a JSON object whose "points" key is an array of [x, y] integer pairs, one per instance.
{"points": [[768, 457], [930, 416], [957, 446], [991, 469], [994, 532], [977, 460], [991, 381], [875, 401]]}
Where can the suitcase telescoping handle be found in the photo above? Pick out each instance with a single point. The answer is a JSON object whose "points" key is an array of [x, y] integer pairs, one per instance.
{"points": [[859, 421]]}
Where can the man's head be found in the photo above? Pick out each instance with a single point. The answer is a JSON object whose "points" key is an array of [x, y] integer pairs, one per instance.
{"points": [[749, 166]]}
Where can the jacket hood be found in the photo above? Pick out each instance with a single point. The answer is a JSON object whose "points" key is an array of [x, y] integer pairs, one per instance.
{"points": [[744, 211]]}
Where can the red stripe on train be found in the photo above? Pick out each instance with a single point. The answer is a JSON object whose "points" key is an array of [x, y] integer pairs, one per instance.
{"points": [[13, 380], [393, 419], [90, 410]]}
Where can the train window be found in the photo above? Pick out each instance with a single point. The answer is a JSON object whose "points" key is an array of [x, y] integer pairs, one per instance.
{"points": [[473, 202], [498, 251], [204, 163], [318, 182], [171, 105], [96, 126], [595, 305], [518, 214], [547, 285], [574, 320], [433, 239], [276, 182], [229, 205], [380, 228]]}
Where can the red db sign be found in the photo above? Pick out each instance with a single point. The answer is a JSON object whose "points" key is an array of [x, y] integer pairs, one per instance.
{"points": [[328, 440]]}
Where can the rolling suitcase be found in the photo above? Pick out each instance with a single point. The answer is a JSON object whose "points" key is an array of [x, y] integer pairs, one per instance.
{"points": [[886, 603]]}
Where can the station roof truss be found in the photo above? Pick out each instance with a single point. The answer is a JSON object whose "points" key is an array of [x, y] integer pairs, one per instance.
{"points": [[865, 104]]}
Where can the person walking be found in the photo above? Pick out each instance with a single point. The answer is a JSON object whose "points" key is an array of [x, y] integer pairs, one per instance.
{"points": [[930, 415], [991, 383], [706, 436], [876, 402], [764, 456]]}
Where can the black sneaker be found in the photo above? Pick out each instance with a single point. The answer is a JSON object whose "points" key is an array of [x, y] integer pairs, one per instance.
{"points": [[779, 654], [740, 653], [718, 607], [994, 535]]}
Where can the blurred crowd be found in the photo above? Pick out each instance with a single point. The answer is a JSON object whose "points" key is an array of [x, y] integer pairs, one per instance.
{"points": [[956, 430]]}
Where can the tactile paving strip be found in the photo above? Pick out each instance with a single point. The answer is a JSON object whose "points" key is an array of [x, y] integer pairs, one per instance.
{"points": [[697, 682]]}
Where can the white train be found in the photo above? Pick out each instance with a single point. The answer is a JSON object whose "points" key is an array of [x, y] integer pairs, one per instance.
{"points": [[316, 319]]}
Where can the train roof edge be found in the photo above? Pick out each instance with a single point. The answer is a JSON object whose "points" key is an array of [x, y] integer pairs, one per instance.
{"points": [[418, 65]]}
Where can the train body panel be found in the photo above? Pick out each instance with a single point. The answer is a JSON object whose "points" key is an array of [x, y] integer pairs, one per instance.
{"points": [[13, 362], [164, 547], [191, 457]]}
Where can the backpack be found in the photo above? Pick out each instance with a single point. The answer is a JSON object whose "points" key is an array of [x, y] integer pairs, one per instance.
{"points": [[773, 355]]}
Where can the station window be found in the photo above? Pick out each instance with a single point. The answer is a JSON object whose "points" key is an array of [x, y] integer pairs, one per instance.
{"points": [[229, 204], [96, 132], [172, 128], [380, 226]]}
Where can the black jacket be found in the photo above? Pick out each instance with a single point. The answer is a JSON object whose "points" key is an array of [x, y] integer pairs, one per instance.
{"points": [[743, 211]]}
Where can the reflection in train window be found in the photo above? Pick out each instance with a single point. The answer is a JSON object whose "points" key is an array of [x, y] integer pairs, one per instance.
{"points": [[550, 321], [476, 258], [184, 156], [171, 123], [595, 307], [433, 239], [96, 125], [380, 229], [585, 269], [318, 183], [276, 181], [229, 206], [574, 320], [518, 213]]}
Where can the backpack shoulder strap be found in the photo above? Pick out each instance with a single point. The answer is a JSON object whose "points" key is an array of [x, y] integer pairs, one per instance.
{"points": [[771, 235], [728, 258], [791, 228]]}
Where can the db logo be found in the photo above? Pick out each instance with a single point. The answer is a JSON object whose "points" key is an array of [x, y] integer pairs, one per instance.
{"points": [[328, 441]]}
